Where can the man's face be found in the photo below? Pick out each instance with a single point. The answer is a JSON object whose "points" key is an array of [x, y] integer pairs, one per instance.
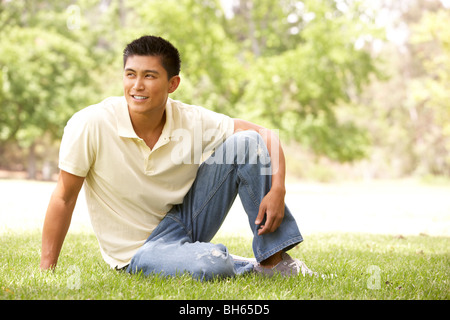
{"points": [[145, 84]]}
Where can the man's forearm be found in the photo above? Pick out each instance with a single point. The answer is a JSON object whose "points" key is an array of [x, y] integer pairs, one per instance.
{"points": [[272, 205], [58, 216], [278, 160], [56, 224]]}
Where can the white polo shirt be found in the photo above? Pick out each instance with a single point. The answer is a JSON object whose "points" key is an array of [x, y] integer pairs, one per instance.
{"points": [[130, 187]]}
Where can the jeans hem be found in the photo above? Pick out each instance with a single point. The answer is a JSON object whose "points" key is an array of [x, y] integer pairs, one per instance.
{"points": [[285, 246]]}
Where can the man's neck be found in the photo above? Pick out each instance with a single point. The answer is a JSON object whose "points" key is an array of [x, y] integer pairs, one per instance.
{"points": [[149, 127]]}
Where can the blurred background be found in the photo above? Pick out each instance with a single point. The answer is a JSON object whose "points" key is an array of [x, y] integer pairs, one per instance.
{"points": [[357, 89]]}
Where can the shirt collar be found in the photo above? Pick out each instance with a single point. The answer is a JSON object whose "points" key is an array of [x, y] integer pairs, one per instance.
{"points": [[125, 127], [168, 126]]}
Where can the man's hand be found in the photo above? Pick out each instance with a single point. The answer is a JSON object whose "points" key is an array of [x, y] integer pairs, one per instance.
{"points": [[271, 211]]}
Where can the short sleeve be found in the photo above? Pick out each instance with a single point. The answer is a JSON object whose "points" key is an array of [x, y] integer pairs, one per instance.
{"points": [[77, 154], [216, 128]]}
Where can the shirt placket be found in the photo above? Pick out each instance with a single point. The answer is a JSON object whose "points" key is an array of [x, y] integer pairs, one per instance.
{"points": [[149, 165]]}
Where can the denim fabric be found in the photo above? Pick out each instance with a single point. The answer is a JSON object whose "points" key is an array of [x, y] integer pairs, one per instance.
{"points": [[181, 242]]}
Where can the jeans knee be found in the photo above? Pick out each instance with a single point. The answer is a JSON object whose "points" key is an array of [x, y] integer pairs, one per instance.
{"points": [[247, 134], [247, 147], [213, 262], [203, 261]]}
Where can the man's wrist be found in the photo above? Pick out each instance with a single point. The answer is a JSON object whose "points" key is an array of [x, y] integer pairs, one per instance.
{"points": [[278, 188]]}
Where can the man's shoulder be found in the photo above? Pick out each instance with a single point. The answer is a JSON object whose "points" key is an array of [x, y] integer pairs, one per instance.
{"points": [[100, 111], [106, 105], [179, 106], [189, 110]]}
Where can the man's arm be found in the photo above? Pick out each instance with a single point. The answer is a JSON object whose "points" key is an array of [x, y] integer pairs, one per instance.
{"points": [[272, 205], [58, 217]]}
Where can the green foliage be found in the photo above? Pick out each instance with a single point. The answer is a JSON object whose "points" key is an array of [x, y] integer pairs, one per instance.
{"points": [[284, 64], [297, 90], [408, 113], [430, 91], [45, 77]]}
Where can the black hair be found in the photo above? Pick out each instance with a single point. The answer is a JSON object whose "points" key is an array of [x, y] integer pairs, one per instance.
{"points": [[158, 47]]}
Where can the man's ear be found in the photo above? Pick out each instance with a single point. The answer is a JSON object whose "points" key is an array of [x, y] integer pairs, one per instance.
{"points": [[174, 82]]}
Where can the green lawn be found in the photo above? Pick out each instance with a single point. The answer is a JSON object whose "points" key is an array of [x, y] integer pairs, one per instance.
{"points": [[363, 267]]}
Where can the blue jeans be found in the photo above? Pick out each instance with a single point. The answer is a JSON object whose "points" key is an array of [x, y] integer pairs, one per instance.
{"points": [[181, 241]]}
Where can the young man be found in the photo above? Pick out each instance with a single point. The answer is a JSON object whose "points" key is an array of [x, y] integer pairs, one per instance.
{"points": [[153, 205]]}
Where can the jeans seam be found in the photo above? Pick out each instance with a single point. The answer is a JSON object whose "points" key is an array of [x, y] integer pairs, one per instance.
{"points": [[249, 190], [179, 222], [211, 195], [172, 217]]}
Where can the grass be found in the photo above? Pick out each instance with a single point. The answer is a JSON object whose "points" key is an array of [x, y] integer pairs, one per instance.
{"points": [[365, 267]]}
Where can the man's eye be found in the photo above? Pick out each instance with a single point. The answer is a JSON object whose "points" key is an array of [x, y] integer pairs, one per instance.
{"points": [[150, 76]]}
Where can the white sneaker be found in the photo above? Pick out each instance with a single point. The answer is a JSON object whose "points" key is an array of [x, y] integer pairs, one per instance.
{"points": [[286, 267]]}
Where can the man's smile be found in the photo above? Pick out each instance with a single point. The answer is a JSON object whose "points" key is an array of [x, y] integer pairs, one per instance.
{"points": [[139, 97]]}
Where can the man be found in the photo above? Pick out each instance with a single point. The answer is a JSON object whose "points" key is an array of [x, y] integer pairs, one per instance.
{"points": [[153, 205]]}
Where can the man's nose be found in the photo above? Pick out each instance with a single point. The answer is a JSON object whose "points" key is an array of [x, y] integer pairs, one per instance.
{"points": [[138, 84]]}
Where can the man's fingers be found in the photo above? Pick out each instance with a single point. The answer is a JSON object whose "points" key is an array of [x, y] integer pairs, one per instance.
{"points": [[270, 215], [267, 226], [271, 224], [261, 214]]}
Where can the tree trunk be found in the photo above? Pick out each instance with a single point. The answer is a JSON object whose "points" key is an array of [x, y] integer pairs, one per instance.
{"points": [[32, 161]]}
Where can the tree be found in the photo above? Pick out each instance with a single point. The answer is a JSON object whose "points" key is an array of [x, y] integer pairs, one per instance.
{"points": [[408, 115], [52, 63], [45, 77], [286, 64], [429, 101], [303, 67]]}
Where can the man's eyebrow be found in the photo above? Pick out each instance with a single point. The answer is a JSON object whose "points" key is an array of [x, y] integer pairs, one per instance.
{"points": [[144, 71]]}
